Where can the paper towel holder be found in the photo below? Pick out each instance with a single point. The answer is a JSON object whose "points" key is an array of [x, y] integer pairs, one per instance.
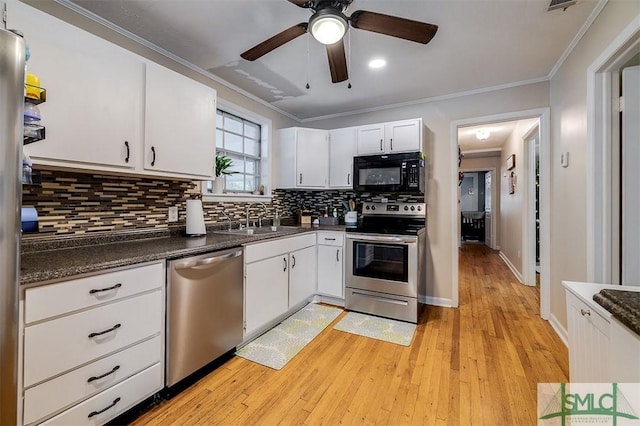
{"points": [[195, 217]]}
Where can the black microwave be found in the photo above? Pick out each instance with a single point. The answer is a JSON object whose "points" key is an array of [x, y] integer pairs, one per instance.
{"points": [[398, 173]]}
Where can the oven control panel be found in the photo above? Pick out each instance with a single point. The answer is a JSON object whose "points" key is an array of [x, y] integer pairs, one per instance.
{"points": [[394, 209]]}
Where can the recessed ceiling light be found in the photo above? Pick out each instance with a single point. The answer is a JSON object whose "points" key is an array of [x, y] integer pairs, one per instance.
{"points": [[483, 134], [377, 63]]}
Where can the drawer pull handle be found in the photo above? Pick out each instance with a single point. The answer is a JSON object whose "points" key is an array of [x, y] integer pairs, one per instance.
{"points": [[100, 290], [113, 404], [115, 327], [94, 378], [585, 312], [329, 239]]}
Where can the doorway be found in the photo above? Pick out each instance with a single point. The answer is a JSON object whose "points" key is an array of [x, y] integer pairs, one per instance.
{"points": [[542, 117]]}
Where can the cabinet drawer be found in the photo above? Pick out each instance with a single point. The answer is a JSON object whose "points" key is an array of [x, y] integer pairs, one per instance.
{"points": [[56, 346], [56, 299], [327, 238], [114, 401], [72, 387], [255, 252]]}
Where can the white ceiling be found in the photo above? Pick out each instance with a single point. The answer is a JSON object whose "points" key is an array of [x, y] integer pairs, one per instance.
{"points": [[480, 44], [499, 133]]}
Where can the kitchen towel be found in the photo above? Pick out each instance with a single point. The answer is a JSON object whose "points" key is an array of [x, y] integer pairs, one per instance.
{"points": [[279, 345], [388, 330]]}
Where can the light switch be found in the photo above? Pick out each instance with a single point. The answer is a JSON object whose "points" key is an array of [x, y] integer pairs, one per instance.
{"points": [[564, 159]]}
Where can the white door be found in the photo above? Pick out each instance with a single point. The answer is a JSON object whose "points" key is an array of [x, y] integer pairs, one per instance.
{"points": [[266, 291], [302, 275], [371, 139], [342, 149], [330, 271], [403, 136], [630, 234], [312, 158], [180, 124]]}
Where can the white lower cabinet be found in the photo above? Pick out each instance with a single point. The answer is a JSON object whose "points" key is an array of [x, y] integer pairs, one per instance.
{"points": [[601, 349], [279, 274], [588, 342], [302, 282], [97, 349], [331, 264]]}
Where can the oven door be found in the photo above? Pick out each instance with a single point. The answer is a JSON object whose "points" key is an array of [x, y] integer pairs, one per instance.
{"points": [[381, 263]]}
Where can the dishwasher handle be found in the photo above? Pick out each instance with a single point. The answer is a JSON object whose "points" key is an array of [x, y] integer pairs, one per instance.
{"points": [[209, 261]]}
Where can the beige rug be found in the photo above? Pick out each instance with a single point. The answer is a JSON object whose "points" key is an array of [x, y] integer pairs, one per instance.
{"points": [[388, 330]]}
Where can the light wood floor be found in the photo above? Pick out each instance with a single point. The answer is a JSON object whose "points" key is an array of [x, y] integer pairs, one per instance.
{"points": [[478, 364]]}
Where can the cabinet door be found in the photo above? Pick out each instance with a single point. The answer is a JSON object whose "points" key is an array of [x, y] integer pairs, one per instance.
{"points": [[94, 93], [266, 291], [302, 277], [330, 271], [588, 343], [180, 124], [403, 136], [312, 158], [370, 139], [342, 149]]}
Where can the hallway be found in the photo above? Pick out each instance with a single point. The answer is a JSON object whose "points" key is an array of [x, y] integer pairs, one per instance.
{"points": [[478, 364]]}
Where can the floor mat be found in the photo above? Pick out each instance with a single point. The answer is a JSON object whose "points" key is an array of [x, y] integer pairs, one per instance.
{"points": [[388, 330], [279, 345]]}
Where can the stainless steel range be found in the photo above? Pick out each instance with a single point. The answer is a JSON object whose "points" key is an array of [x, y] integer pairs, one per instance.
{"points": [[386, 260]]}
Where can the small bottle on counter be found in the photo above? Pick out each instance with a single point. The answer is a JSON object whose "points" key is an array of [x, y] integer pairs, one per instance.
{"points": [[276, 219]]}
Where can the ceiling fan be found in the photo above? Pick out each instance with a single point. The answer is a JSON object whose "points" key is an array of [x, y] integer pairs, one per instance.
{"points": [[328, 25]]}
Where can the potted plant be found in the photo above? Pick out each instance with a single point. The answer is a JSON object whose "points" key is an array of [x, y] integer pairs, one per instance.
{"points": [[223, 164]]}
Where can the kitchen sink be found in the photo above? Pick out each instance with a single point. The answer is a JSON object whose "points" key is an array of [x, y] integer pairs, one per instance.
{"points": [[259, 231]]}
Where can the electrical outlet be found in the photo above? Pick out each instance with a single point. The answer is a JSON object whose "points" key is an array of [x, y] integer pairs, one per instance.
{"points": [[173, 214]]}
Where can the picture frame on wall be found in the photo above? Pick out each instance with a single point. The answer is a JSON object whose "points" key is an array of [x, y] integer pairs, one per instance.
{"points": [[511, 162]]}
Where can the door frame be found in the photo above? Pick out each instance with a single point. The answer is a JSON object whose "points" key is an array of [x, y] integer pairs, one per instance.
{"points": [[491, 170], [602, 130], [528, 207], [543, 115]]}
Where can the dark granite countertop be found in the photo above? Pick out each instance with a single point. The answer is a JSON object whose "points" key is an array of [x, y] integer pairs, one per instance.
{"points": [[623, 305], [41, 264]]}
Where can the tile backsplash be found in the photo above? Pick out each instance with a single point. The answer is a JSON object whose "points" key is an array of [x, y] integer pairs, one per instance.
{"points": [[71, 203]]}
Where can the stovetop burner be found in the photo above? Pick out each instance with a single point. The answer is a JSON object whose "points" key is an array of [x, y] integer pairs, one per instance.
{"points": [[391, 218]]}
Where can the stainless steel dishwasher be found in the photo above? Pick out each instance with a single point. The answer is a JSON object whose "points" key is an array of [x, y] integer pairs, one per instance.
{"points": [[204, 310]]}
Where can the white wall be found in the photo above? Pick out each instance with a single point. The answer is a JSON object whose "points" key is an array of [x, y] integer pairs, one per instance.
{"points": [[437, 117], [568, 97]]}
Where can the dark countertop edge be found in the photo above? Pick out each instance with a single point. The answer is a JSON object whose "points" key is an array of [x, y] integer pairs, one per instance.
{"points": [[52, 275], [619, 309]]}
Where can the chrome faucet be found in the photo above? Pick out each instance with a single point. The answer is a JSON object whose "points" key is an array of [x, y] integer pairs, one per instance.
{"points": [[228, 218], [266, 211]]}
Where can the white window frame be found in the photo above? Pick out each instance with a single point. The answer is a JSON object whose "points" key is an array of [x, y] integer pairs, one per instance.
{"points": [[265, 155]]}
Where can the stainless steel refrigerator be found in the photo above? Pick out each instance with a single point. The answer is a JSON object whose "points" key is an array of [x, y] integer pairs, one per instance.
{"points": [[12, 62]]}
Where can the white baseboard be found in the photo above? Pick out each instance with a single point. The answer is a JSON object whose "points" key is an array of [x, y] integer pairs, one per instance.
{"points": [[329, 300], [507, 262], [435, 301], [559, 329]]}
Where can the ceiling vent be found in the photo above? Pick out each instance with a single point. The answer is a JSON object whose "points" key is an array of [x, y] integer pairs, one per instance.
{"points": [[561, 4]]}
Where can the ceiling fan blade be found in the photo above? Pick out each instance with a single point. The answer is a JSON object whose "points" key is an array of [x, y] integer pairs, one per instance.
{"points": [[337, 62], [302, 3], [394, 26], [274, 42]]}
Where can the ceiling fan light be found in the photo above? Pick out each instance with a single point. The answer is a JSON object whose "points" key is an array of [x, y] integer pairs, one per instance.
{"points": [[328, 28], [482, 134]]}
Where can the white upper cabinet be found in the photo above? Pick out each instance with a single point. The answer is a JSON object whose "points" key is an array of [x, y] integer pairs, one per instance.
{"points": [[395, 136], [370, 139], [342, 149], [109, 109], [95, 93], [180, 124], [303, 155]]}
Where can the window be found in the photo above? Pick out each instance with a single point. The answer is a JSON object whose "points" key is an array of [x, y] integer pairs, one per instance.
{"points": [[241, 140]]}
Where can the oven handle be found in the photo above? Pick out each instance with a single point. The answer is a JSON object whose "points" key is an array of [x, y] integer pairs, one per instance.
{"points": [[379, 238]]}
